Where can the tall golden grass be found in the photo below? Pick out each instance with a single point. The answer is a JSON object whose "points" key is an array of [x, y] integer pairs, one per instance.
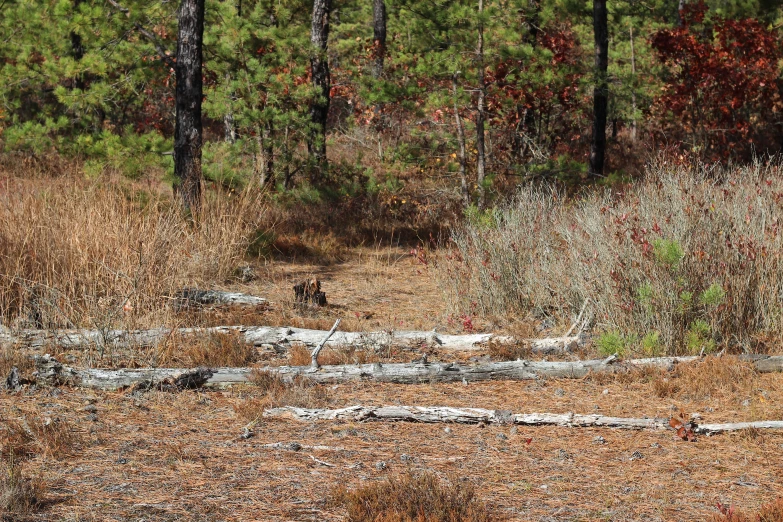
{"points": [[101, 253]]}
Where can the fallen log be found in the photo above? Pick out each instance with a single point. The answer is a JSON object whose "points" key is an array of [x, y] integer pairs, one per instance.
{"points": [[196, 298], [439, 414], [398, 373], [281, 338]]}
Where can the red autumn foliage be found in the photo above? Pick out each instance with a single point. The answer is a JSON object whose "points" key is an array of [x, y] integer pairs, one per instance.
{"points": [[722, 91]]}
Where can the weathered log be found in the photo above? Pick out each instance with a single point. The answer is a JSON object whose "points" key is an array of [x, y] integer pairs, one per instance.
{"points": [[398, 373], [196, 298], [281, 338], [438, 414]]}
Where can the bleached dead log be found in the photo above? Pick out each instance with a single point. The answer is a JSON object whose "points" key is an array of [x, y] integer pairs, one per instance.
{"points": [[196, 298], [281, 338], [398, 373], [438, 414]]}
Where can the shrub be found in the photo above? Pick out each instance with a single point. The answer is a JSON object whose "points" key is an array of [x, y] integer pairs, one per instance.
{"points": [[413, 497], [689, 253], [609, 343]]}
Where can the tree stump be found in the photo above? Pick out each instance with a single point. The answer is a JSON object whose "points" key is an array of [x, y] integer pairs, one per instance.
{"points": [[309, 291]]}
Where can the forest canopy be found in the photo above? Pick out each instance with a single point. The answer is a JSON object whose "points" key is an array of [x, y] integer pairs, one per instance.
{"points": [[475, 89]]}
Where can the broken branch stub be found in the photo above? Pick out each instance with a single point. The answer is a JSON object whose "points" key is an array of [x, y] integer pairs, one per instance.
{"points": [[314, 354]]}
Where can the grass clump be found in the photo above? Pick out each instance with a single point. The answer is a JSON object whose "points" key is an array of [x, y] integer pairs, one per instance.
{"points": [[213, 349], [20, 496], [413, 497], [275, 391], [706, 378], [681, 253], [44, 436]]}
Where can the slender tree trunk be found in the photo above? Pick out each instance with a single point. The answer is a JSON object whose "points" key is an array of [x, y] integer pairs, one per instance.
{"points": [[379, 36], [633, 89], [534, 22], [600, 89], [188, 130], [680, 7], [77, 49], [319, 110], [461, 140], [229, 126], [266, 158], [480, 116]]}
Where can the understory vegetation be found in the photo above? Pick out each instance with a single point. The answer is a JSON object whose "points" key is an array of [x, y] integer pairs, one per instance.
{"points": [[685, 261]]}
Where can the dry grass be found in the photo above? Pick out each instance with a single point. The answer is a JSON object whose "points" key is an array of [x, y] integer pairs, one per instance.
{"points": [[277, 392], [413, 497], [688, 259], [48, 437], [703, 379], [102, 254], [212, 350], [10, 357], [20, 496], [772, 512], [299, 355]]}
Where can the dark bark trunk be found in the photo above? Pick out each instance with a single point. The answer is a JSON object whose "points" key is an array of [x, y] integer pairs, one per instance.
{"points": [[600, 89], [533, 22], [480, 116], [77, 49], [188, 130], [266, 155], [379, 36], [319, 110]]}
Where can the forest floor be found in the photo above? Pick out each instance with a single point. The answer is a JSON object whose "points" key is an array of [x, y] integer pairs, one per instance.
{"points": [[180, 456]]}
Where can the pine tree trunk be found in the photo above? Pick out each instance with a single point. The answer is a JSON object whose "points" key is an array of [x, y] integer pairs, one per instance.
{"points": [[267, 155], [600, 90], [319, 110], [480, 116], [77, 49], [461, 140], [188, 130], [680, 7], [229, 126], [379, 36]]}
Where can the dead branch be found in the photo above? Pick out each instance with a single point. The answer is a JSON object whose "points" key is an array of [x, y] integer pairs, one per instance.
{"points": [[281, 338], [314, 355], [399, 373], [196, 298], [438, 414]]}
